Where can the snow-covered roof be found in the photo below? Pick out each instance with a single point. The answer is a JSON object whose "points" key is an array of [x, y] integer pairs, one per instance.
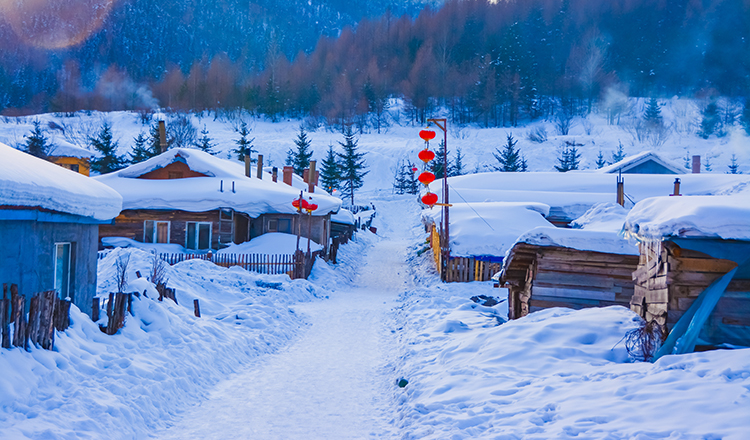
{"points": [[197, 194], [631, 162], [489, 228], [726, 217], [62, 148], [580, 239], [344, 216], [27, 181]]}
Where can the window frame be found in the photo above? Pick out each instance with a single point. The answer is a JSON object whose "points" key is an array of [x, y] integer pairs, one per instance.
{"points": [[155, 231], [70, 268], [197, 235]]}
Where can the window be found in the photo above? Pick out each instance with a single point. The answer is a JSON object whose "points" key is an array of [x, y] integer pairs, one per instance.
{"points": [[280, 225], [155, 232], [63, 266], [198, 235], [226, 214]]}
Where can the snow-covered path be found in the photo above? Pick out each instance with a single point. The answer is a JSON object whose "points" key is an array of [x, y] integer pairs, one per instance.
{"points": [[335, 381]]}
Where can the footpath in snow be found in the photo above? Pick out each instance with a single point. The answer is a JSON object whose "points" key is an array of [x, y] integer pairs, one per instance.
{"points": [[337, 379]]}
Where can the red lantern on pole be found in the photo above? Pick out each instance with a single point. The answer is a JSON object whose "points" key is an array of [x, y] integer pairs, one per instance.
{"points": [[430, 199], [296, 203], [427, 135], [426, 155], [414, 170], [312, 207], [426, 178]]}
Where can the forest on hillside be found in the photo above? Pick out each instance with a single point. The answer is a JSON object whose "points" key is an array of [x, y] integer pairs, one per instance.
{"points": [[494, 64]]}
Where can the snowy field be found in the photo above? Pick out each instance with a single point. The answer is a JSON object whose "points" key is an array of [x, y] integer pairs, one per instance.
{"points": [[273, 358]]}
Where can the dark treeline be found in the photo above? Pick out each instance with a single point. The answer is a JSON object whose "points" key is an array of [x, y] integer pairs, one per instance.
{"points": [[493, 64]]}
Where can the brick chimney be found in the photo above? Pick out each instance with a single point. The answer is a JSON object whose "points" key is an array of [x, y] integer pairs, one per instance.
{"points": [[696, 164], [274, 174], [162, 136], [287, 177], [312, 177]]}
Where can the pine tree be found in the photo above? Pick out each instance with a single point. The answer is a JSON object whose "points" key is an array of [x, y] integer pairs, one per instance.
{"points": [[569, 159], [437, 165], [734, 166], [710, 122], [524, 166], [399, 179], [458, 164], [652, 117], [330, 174], [36, 142], [244, 145], [352, 165], [707, 164], [109, 160], [687, 161], [745, 118], [600, 162], [509, 158], [204, 142], [299, 159], [411, 183], [619, 154], [140, 150]]}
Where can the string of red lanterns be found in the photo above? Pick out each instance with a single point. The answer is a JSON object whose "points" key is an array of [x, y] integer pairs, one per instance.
{"points": [[429, 199]]}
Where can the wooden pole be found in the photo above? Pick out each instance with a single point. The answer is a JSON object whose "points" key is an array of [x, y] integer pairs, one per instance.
{"points": [[442, 123], [196, 308], [311, 178], [259, 173]]}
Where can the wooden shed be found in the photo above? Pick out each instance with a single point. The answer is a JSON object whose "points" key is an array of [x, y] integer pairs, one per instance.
{"points": [[540, 276]]}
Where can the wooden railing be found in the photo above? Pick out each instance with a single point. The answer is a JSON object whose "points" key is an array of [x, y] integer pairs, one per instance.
{"points": [[460, 269], [298, 266]]}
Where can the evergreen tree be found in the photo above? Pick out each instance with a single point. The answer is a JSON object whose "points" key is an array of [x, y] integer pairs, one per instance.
{"points": [[204, 142], [619, 154], [710, 122], [509, 158], [458, 164], [141, 150], [352, 165], [687, 161], [155, 140], [36, 142], [330, 174], [524, 166], [707, 164], [109, 160], [244, 145], [745, 118], [299, 158], [569, 158], [600, 162], [411, 184], [734, 166], [652, 117], [399, 179], [437, 165]]}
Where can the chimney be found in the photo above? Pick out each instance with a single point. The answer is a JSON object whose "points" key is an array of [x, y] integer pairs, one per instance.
{"points": [[676, 191], [696, 164], [260, 167], [306, 175], [162, 136], [247, 166], [274, 174], [620, 191], [288, 171], [311, 177]]}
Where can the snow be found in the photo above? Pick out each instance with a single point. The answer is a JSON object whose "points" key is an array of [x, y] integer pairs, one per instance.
{"points": [[27, 181], [159, 248], [272, 243], [66, 149], [726, 217], [639, 158], [227, 187], [580, 239], [602, 217], [489, 228], [344, 216]]}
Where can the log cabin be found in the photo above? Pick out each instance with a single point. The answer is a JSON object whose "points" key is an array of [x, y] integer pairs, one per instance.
{"points": [[49, 222], [687, 244], [201, 202], [574, 268], [71, 157]]}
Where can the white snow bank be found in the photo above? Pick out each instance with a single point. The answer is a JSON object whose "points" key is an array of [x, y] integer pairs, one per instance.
{"points": [[580, 239], [344, 216], [555, 373], [602, 217], [272, 243], [727, 217], [227, 187], [124, 242], [489, 228], [63, 148], [162, 361], [35, 183]]}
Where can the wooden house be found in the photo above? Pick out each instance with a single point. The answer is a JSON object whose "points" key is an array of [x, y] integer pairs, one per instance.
{"points": [[71, 157], [646, 162], [49, 221], [551, 267], [686, 244], [190, 198]]}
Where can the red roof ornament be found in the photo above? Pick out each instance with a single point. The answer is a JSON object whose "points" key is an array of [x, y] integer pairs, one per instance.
{"points": [[426, 177], [427, 135], [426, 155], [430, 199]]}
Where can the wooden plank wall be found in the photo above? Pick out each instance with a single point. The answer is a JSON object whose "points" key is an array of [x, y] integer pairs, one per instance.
{"points": [[668, 279], [466, 269]]}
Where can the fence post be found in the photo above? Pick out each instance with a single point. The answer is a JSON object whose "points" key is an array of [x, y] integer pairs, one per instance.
{"points": [[196, 308], [95, 306]]}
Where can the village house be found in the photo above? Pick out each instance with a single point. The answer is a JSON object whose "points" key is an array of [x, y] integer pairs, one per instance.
{"points": [[201, 202], [49, 224], [71, 157], [646, 162]]}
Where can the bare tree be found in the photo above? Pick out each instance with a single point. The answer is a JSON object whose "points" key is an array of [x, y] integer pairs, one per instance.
{"points": [[121, 268]]}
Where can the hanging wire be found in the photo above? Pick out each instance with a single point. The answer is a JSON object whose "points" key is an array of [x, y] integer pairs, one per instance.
{"points": [[475, 211]]}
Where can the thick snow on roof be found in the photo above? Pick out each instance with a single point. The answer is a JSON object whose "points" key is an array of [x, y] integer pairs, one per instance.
{"points": [[489, 228], [29, 181], [575, 193], [726, 217], [638, 159], [62, 148], [344, 216], [196, 194]]}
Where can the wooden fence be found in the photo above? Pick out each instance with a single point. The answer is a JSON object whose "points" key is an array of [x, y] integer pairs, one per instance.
{"points": [[460, 269], [47, 313], [296, 266]]}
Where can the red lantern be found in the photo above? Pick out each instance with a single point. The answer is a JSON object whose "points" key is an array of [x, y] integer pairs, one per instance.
{"points": [[304, 204], [312, 207], [414, 170], [426, 177], [427, 135], [426, 155], [430, 199]]}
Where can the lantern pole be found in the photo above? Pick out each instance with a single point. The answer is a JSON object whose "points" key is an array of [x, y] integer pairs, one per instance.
{"points": [[442, 123]]}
